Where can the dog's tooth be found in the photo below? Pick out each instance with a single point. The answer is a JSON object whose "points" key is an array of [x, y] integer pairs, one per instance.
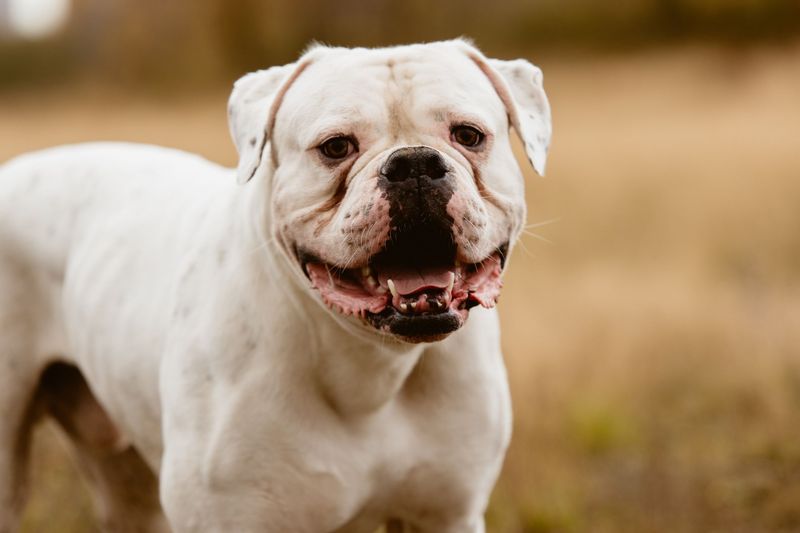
{"points": [[451, 282], [404, 307], [414, 305], [365, 271], [392, 288], [372, 282], [458, 263], [381, 290]]}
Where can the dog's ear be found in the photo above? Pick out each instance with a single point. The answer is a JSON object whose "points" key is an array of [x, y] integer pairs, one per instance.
{"points": [[527, 106], [252, 107], [519, 85]]}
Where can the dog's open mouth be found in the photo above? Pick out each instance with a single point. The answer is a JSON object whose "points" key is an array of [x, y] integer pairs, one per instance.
{"points": [[417, 293]]}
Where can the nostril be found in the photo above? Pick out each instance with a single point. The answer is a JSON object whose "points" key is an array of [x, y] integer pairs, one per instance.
{"points": [[435, 167], [397, 169]]}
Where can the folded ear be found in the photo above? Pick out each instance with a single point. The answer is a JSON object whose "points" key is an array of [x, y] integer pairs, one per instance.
{"points": [[252, 107], [518, 83], [527, 107]]}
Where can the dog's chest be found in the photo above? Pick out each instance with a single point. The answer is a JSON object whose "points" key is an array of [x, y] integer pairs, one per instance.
{"points": [[420, 463]]}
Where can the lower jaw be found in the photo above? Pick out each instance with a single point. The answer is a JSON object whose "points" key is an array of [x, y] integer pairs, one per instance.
{"points": [[418, 328]]}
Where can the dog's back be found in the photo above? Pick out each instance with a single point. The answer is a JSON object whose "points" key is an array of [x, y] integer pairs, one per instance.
{"points": [[71, 219], [121, 205]]}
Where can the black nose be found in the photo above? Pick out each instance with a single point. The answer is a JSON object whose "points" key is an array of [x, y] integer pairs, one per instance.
{"points": [[412, 163]]}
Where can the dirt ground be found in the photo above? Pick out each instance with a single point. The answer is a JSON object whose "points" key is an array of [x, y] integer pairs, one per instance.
{"points": [[651, 314]]}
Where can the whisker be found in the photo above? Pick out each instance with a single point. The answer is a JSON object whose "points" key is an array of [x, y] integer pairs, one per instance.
{"points": [[474, 247], [261, 246], [525, 249], [537, 236], [543, 223]]}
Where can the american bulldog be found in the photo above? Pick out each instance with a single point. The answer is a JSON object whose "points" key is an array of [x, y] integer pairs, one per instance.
{"points": [[297, 352]]}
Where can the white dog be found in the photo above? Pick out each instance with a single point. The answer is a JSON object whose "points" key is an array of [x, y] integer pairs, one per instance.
{"points": [[290, 354]]}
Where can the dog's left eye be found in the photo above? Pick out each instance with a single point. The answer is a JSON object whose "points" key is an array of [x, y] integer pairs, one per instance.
{"points": [[337, 147], [467, 136]]}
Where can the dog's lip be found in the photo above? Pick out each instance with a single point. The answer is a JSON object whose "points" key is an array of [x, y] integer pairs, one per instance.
{"points": [[416, 294], [418, 328]]}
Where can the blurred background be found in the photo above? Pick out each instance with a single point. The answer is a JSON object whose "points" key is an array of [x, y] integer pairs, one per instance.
{"points": [[651, 314]]}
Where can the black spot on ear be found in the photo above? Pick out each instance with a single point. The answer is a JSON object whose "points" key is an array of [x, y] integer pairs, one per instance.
{"points": [[253, 141]]}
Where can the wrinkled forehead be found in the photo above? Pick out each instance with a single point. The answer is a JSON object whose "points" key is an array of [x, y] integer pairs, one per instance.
{"points": [[352, 86]]}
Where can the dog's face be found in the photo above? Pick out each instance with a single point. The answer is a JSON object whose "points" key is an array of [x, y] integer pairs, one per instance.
{"points": [[393, 186]]}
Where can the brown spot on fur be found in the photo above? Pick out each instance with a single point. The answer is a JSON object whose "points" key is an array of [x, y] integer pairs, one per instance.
{"points": [[367, 208], [325, 211], [398, 101], [485, 193], [273, 112]]}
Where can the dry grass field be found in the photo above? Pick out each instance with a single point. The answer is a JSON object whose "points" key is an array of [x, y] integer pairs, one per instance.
{"points": [[651, 327]]}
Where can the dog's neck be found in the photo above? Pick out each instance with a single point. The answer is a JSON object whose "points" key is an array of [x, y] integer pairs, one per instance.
{"points": [[356, 371], [360, 376]]}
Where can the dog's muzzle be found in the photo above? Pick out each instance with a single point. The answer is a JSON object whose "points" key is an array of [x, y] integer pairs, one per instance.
{"points": [[414, 287]]}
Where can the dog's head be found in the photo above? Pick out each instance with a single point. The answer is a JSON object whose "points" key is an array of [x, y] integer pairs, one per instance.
{"points": [[392, 184]]}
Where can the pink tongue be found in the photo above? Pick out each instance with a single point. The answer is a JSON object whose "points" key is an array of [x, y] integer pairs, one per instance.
{"points": [[410, 280]]}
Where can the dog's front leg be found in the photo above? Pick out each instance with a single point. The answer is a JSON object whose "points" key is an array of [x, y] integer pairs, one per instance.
{"points": [[191, 505], [194, 501], [210, 493], [230, 464]]}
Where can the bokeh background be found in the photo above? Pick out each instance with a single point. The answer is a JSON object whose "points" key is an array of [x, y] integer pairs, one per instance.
{"points": [[651, 314]]}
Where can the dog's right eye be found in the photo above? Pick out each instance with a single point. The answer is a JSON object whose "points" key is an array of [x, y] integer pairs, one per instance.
{"points": [[467, 136], [337, 147]]}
